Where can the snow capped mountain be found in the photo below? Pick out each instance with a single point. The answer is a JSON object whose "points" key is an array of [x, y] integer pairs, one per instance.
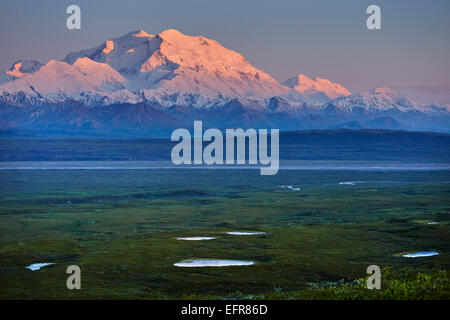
{"points": [[85, 81], [143, 84], [440, 108], [375, 100], [168, 68], [173, 68], [317, 90]]}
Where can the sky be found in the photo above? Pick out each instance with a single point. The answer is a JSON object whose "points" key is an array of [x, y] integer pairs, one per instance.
{"points": [[325, 38]]}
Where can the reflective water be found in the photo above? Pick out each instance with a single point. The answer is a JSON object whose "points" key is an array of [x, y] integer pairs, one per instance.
{"points": [[37, 266], [212, 263]]}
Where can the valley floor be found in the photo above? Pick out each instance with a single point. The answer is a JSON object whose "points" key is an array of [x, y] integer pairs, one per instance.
{"points": [[121, 228]]}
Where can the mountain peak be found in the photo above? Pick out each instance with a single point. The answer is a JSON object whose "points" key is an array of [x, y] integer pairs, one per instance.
{"points": [[167, 74], [83, 61], [142, 34], [168, 68], [379, 99], [318, 90], [171, 33], [301, 78], [23, 67]]}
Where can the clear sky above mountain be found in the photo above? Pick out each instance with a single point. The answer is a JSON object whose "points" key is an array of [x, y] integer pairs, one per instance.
{"points": [[324, 38]]}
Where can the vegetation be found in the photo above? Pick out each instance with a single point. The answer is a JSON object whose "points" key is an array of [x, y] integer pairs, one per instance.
{"points": [[121, 228], [405, 284]]}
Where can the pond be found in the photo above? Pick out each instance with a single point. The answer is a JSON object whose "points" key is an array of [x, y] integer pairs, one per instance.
{"points": [[212, 263]]}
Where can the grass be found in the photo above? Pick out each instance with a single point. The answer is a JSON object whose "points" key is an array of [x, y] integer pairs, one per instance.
{"points": [[121, 226]]}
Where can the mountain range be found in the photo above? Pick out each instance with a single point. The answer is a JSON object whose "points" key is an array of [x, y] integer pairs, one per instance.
{"points": [[146, 85]]}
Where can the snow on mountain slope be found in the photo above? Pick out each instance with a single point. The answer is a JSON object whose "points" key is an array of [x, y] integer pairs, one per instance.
{"points": [[168, 68], [86, 80], [437, 108], [153, 74], [318, 90], [173, 68], [20, 69], [125, 54], [23, 67], [375, 100]]}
